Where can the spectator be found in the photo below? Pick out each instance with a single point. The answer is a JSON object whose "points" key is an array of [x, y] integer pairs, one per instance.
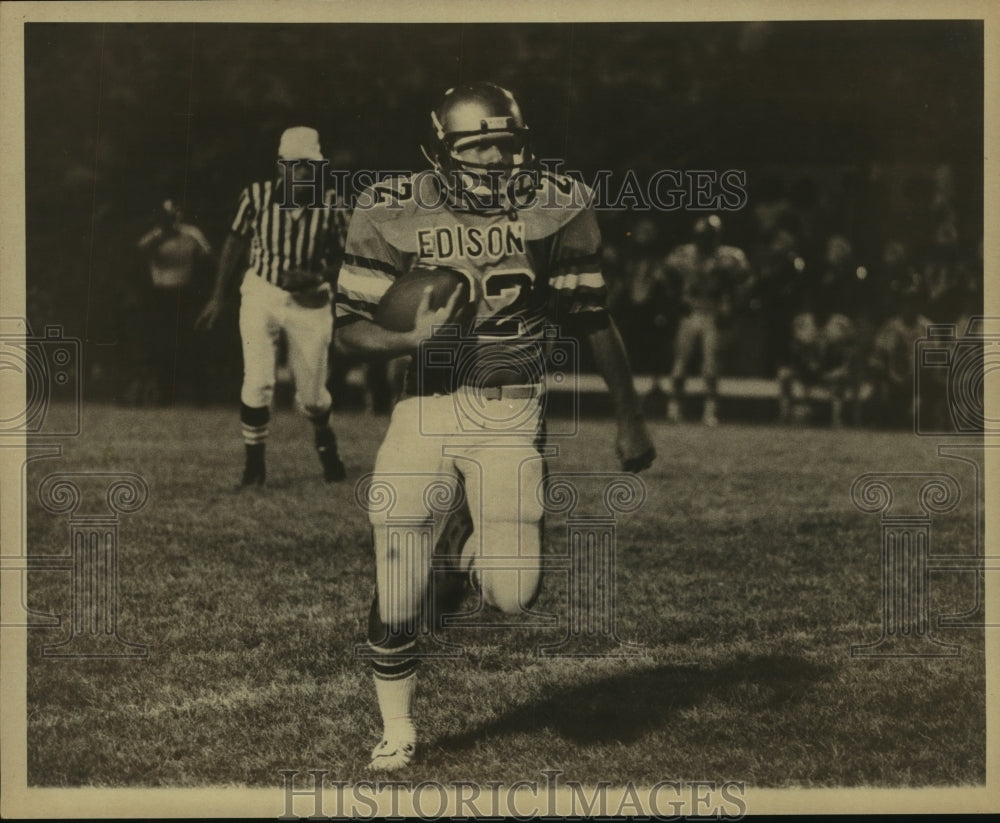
{"points": [[822, 353], [173, 251], [891, 363]]}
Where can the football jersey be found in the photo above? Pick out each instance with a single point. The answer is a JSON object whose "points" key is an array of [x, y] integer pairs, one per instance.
{"points": [[532, 270], [705, 279]]}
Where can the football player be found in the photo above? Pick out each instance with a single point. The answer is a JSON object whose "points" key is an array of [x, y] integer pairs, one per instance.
{"points": [[529, 245], [705, 276]]}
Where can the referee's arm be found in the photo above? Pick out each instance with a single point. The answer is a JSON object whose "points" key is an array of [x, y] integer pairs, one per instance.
{"points": [[233, 253]]}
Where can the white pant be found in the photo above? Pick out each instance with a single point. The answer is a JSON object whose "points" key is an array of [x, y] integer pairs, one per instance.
{"points": [[266, 311], [699, 325], [430, 444]]}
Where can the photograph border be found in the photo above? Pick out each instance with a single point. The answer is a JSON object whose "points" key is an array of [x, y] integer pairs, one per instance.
{"points": [[20, 801]]}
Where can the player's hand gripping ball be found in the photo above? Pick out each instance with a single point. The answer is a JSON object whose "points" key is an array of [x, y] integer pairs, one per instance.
{"points": [[397, 309]]}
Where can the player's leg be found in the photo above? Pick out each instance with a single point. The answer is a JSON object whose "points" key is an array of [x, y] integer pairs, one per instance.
{"points": [[502, 480], [259, 332], [683, 349], [786, 377], [709, 367], [309, 332], [449, 584], [404, 532]]}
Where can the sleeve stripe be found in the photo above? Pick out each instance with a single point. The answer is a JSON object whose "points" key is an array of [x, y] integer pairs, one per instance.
{"points": [[362, 286], [361, 308], [346, 319], [370, 263], [578, 281]]}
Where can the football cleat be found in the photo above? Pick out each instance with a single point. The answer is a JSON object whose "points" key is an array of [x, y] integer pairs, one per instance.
{"points": [[333, 466], [253, 477], [255, 470], [391, 755], [709, 417]]}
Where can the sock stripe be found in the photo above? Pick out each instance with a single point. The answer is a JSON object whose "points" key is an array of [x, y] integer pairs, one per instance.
{"points": [[409, 669], [391, 650], [393, 667], [254, 434]]}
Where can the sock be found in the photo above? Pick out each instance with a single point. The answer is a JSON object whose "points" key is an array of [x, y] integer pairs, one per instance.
{"points": [[255, 420], [395, 699], [711, 388], [394, 669], [255, 454], [321, 427]]}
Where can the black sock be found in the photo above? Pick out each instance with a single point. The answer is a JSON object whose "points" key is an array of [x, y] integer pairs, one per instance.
{"points": [[255, 421]]}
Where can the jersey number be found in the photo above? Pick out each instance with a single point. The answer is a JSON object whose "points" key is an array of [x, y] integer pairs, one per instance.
{"points": [[506, 292]]}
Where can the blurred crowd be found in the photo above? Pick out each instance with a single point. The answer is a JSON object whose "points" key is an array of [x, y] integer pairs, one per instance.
{"points": [[861, 143], [795, 297]]}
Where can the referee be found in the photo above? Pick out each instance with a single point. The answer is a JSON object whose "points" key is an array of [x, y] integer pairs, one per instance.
{"points": [[293, 248]]}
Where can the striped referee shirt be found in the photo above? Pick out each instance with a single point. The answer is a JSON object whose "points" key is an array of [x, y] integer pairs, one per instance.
{"points": [[288, 238]]}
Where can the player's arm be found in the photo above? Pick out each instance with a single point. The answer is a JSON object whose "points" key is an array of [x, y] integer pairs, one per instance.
{"points": [[635, 449], [204, 247], [365, 338], [152, 239], [580, 295], [234, 250], [370, 266], [231, 257]]}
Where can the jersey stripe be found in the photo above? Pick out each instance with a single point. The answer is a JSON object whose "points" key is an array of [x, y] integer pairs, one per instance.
{"points": [[370, 263]]}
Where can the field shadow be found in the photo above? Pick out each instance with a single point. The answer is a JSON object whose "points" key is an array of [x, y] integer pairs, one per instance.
{"points": [[623, 708]]}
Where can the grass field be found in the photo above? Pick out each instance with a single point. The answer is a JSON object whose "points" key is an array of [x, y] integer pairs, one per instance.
{"points": [[746, 577]]}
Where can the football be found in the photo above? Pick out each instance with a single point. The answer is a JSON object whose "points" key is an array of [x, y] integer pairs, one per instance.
{"points": [[398, 307]]}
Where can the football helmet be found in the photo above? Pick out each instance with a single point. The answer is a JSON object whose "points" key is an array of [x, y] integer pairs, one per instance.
{"points": [[481, 115]]}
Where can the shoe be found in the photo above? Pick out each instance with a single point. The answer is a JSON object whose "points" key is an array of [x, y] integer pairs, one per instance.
{"points": [[390, 755], [254, 474], [448, 592], [326, 448], [708, 417]]}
